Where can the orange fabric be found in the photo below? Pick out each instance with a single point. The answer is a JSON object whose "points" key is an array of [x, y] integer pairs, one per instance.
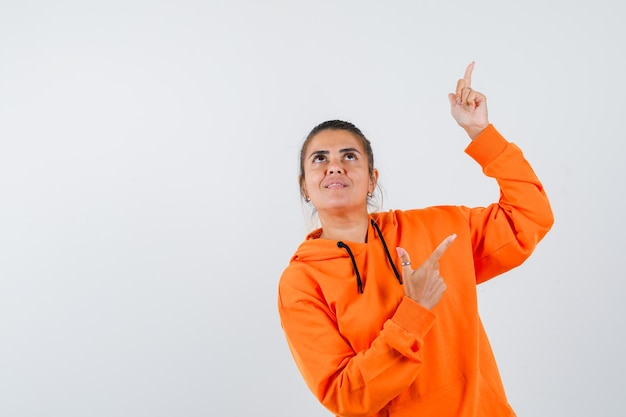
{"points": [[381, 354]]}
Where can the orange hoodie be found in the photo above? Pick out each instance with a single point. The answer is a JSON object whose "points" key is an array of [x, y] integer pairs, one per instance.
{"points": [[379, 353]]}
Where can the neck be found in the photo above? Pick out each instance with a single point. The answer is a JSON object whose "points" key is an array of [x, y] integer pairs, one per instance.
{"points": [[351, 228]]}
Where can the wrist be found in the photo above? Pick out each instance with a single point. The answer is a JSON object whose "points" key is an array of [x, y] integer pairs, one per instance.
{"points": [[474, 131]]}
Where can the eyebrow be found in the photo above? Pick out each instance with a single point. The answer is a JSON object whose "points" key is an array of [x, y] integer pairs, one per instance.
{"points": [[324, 152]]}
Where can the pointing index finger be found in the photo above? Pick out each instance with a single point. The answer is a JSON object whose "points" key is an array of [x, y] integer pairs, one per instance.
{"points": [[468, 74], [438, 253]]}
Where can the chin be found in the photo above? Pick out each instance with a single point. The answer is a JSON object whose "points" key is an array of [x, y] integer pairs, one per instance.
{"points": [[330, 206]]}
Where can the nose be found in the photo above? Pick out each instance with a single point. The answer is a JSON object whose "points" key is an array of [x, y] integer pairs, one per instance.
{"points": [[334, 167]]}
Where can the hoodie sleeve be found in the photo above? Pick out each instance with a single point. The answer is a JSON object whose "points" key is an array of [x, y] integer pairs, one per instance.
{"points": [[345, 382], [505, 233]]}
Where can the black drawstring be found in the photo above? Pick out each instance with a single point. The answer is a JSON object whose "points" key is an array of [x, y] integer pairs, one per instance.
{"points": [[359, 283], [382, 239]]}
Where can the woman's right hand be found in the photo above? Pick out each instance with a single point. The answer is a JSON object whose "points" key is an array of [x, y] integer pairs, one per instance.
{"points": [[424, 285]]}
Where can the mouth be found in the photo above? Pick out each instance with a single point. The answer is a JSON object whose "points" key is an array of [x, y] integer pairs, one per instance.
{"points": [[335, 184]]}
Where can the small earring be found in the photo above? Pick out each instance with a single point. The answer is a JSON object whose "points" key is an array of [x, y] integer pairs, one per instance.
{"points": [[307, 199], [369, 195]]}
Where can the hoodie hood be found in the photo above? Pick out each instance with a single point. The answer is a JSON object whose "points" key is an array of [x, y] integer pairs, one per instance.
{"points": [[315, 249]]}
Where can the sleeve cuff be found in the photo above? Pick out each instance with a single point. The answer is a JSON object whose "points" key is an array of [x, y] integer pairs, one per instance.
{"points": [[413, 318], [487, 146]]}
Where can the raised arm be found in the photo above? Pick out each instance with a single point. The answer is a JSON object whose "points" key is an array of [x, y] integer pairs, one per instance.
{"points": [[505, 233]]}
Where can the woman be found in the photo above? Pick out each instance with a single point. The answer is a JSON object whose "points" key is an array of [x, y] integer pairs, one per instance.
{"points": [[371, 335]]}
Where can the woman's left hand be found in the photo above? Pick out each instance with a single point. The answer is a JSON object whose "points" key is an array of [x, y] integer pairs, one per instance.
{"points": [[469, 107]]}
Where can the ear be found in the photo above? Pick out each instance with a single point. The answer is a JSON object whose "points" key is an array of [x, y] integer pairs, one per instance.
{"points": [[373, 180], [302, 187]]}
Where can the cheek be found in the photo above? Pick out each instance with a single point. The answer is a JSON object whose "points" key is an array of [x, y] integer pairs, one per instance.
{"points": [[311, 176], [311, 184]]}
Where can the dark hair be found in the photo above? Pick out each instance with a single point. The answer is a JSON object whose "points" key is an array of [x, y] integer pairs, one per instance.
{"points": [[337, 125]]}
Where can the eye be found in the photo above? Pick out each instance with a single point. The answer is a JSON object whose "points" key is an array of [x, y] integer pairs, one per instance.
{"points": [[318, 158], [351, 156]]}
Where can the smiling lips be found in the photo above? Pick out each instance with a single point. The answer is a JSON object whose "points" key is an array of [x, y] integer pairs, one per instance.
{"points": [[335, 184]]}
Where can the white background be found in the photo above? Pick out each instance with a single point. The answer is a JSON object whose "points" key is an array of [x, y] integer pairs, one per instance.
{"points": [[149, 203]]}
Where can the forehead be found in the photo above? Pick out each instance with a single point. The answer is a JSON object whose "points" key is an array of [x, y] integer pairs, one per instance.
{"points": [[329, 140]]}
